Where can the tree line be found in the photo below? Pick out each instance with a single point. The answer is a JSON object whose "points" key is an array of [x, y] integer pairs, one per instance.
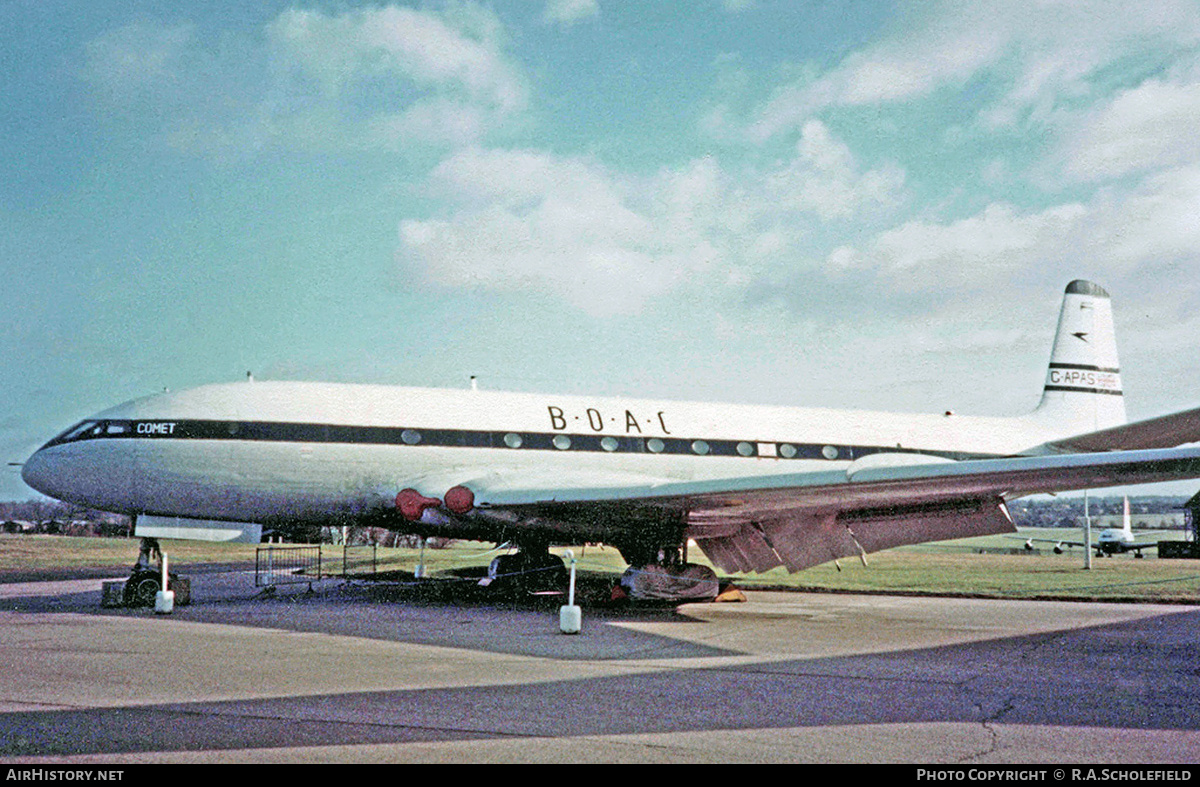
{"points": [[57, 517]]}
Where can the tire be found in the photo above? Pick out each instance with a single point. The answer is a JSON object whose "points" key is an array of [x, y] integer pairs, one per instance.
{"points": [[530, 572], [143, 592]]}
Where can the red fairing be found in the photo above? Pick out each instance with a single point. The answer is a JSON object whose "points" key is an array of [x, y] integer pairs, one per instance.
{"points": [[460, 500], [412, 504]]}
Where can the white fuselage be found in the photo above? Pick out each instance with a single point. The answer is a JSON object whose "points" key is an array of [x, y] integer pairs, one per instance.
{"points": [[255, 451]]}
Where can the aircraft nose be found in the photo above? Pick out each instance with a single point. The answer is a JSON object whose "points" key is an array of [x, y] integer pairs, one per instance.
{"points": [[91, 472], [39, 473]]}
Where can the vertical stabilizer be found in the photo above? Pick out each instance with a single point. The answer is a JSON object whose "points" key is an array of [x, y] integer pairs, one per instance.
{"points": [[1083, 383]]}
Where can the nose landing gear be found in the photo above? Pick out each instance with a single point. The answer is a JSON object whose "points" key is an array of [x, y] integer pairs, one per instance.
{"points": [[145, 580]]}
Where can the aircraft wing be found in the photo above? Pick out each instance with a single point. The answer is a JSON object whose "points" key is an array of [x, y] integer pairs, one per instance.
{"points": [[799, 520], [1065, 542], [1162, 432]]}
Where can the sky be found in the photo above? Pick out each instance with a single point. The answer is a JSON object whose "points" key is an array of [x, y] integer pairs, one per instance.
{"points": [[854, 204]]}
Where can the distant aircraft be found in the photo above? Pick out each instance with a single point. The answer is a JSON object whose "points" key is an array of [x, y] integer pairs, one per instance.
{"points": [[755, 487], [1111, 541]]}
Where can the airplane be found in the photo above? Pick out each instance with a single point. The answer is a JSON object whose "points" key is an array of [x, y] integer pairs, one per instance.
{"points": [[753, 487], [1111, 541]]}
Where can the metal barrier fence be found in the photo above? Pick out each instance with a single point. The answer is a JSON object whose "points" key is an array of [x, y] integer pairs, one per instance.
{"points": [[286, 565], [358, 560]]}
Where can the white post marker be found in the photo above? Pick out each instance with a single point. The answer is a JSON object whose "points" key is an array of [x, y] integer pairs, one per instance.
{"points": [[570, 617], [1087, 533], [420, 572], [164, 600]]}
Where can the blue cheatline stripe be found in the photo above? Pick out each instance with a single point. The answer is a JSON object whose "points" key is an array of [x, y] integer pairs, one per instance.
{"points": [[1104, 391], [412, 436]]}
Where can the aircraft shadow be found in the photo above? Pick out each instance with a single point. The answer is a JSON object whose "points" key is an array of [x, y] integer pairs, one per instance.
{"points": [[395, 613]]}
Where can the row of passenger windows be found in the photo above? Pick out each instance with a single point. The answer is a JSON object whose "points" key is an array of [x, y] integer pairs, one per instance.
{"points": [[654, 445]]}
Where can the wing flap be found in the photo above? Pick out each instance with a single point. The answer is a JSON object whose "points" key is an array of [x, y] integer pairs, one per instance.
{"points": [[745, 552], [886, 528], [803, 539]]}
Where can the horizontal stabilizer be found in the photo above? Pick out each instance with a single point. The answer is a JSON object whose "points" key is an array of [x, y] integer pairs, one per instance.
{"points": [[1163, 432]]}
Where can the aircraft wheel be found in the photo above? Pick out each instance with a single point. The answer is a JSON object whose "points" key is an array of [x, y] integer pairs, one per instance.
{"points": [[529, 571], [1138, 554], [547, 572], [143, 592], [501, 567], [689, 582]]}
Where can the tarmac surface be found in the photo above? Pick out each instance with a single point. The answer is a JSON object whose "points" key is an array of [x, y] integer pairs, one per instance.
{"points": [[363, 673]]}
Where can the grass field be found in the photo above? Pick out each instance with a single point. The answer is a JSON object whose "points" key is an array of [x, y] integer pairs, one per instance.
{"points": [[995, 566]]}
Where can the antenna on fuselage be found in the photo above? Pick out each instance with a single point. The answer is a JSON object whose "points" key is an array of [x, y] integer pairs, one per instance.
{"points": [[474, 383], [249, 377]]}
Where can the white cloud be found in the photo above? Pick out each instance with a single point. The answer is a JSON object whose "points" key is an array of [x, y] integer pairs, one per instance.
{"points": [[609, 242], [1045, 53], [824, 178], [1146, 127], [941, 48], [1152, 227], [349, 55], [1054, 70], [1147, 234], [568, 12], [435, 120], [971, 254], [376, 78], [527, 220]]}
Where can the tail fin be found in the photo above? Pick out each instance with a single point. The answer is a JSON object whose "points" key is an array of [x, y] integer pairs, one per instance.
{"points": [[1083, 383]]}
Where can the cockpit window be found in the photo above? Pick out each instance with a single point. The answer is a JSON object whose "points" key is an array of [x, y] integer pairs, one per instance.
{"points": [[75, 431], [86, 430]]}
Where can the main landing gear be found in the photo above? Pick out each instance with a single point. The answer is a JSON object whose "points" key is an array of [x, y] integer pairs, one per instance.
{"points": [[654, 574], [667, 577], [531, 570]]}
